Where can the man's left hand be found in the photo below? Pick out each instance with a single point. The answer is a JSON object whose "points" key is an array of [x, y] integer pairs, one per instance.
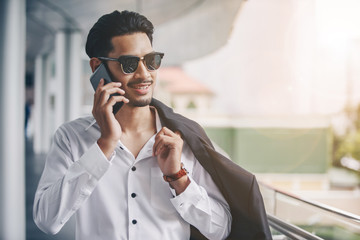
{"points": [[168, 147]]}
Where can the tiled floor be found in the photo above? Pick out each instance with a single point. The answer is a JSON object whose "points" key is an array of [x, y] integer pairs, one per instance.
{"points": [[34, 167]]}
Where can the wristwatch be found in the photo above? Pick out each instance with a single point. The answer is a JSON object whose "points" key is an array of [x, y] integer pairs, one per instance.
{"points": [[177, 175]]}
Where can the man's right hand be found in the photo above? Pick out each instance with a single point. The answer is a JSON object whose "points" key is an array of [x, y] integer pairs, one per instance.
{"points": [[102, 111]]}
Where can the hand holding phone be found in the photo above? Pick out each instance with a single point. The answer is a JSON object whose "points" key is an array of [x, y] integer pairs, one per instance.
{"points": [[110, 128], [101, 72]]}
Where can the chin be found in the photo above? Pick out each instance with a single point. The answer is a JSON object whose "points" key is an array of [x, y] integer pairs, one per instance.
{"points": [[141, 102]]}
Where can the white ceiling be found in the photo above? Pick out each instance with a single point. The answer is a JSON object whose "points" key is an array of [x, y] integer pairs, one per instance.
{"points": [[196, 22]]}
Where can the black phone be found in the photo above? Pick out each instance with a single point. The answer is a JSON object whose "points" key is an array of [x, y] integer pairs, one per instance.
{"points": [[102, 72]]}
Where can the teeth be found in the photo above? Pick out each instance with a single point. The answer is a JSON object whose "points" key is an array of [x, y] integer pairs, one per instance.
{"points": [[141, 87]]}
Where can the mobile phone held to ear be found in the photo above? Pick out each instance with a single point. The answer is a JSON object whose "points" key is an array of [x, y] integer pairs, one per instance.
{"points": [[101, 72]]}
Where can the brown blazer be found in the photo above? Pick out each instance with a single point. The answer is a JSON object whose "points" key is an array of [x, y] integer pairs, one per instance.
{"points": [[238, 186]]}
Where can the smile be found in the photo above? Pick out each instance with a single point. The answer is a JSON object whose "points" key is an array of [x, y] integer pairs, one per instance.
{"points": [[141, 88]]}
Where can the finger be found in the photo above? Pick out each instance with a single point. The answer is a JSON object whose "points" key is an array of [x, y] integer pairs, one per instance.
{"points": [[164, 132], [101, 83], [105, 95], [103, 98], [114, 90], [159, 135], [178, 133], [97, 91], [162, 149], [115, 99], [157, 145], [159, 150], [106, 87], [109, 85], [167, 131], [163, 142]]}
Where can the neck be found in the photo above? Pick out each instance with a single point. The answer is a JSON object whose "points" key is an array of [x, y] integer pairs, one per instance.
{"points": [[135, 119]]}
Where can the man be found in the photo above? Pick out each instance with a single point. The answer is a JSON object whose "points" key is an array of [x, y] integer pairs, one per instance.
{"points": [[131, 175]]}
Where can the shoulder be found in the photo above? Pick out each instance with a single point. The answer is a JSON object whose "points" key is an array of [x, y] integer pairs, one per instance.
{"points": [[76, 126], [82, 122], [77, 134]]}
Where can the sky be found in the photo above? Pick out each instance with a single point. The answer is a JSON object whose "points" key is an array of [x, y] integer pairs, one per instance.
{"points": [[286, 58]]}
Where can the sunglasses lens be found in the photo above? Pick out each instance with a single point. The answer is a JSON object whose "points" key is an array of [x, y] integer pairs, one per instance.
{"points": [[153, 61], [130, 64]]}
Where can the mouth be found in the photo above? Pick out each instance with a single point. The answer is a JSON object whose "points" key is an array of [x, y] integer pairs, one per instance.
{"points": [[141, 88]]}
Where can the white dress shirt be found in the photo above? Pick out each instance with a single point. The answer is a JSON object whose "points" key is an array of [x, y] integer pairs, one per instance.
{"points": [[126, 197]]}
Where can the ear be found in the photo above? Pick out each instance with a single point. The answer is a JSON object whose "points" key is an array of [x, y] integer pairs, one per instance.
{"points": [[94, 63]]}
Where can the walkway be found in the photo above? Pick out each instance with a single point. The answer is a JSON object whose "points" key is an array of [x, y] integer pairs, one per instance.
{"points": [[34, 167]]}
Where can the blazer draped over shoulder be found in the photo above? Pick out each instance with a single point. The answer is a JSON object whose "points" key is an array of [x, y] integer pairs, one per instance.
{"points": [[238, 186]]}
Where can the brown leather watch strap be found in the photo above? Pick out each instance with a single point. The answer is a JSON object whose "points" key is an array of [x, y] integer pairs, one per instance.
{"points": [[177, 175]]}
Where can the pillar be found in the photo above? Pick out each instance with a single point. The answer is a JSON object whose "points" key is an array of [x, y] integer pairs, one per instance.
{"points": [[12, 107], [68, 75]]}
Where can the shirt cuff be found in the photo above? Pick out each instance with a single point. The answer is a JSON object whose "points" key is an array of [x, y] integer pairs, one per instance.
{"points": [[191, 196], [95, 162]]}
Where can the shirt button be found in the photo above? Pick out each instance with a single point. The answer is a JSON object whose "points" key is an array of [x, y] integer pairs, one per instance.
{"points": [[121, 148], [133, 195], [134, 221], [133, 168]]}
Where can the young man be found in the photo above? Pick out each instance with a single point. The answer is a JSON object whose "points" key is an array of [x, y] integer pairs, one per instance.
{"points": [[124, 175]]}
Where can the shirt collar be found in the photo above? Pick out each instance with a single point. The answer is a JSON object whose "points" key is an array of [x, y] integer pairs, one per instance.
{"points": [[157, 119]]}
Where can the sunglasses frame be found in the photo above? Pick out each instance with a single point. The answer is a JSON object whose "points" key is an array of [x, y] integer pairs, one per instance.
{"points": [[122, 58]]}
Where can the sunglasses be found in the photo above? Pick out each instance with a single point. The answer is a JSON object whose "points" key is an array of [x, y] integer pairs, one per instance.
{"points": [[129, 63]]}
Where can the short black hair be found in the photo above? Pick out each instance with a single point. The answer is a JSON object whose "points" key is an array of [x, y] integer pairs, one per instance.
{"points": [[98, 43]]}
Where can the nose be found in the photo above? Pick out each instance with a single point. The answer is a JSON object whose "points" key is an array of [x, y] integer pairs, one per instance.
{"points": [[142, 71]]}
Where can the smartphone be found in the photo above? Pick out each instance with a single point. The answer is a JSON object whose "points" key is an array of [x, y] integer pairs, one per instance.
{"points": [[102, 72]]}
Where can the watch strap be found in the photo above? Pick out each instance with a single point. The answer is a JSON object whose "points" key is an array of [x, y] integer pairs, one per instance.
{"points": [[182, 172]]}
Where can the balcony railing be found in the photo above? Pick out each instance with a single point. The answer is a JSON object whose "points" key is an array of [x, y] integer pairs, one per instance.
{"points": [[282, 230], [294, 217]]}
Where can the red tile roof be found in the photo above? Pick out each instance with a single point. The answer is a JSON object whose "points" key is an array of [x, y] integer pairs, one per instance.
{"points": [[175, 80]]}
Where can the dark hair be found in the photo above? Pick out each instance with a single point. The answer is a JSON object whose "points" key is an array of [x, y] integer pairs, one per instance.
{"points": [[98, 43]]}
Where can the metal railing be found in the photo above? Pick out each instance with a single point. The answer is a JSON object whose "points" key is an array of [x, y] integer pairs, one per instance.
{"points": [[300, 218], [289, 230]]}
